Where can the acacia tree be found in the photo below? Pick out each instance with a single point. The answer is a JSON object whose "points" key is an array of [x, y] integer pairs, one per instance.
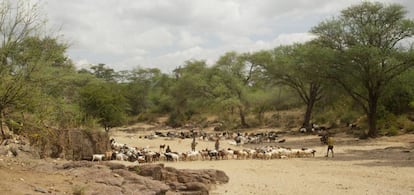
{"points": [[49, 81], [103, 101], [190, 92], [142, 82], [294, 67], [237, 76], [367, 40], [18, 21], [261, 91], [102, 72]]}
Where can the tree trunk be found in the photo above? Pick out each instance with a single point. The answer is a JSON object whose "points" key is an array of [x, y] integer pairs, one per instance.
{"points": [[261, 116], [242, 117], [372, 118], [3, 135], [310, 102], [308, 114]]}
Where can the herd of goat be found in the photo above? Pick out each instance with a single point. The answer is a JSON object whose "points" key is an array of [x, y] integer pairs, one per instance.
{"points": [[122, 152]]}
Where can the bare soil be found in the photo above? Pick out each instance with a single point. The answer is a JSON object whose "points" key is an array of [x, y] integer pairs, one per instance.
{"points": [[374, 166]]}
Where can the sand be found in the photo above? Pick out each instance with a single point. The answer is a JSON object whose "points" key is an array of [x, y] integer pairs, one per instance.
{"points": [[375, 166]]}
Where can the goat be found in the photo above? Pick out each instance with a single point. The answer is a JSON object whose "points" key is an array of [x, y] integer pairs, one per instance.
{"points": [[162, 146], [141, 159], [108, 155], [192, 155], [204, 154], [121, 156], [303, 130], [213, 153], [171, 156], [307, 152], [98, 157]]}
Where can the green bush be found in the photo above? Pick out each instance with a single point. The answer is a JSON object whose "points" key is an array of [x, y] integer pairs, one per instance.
{"points": [[14, 126], [409, 128], [392, 131], [403, 122]]}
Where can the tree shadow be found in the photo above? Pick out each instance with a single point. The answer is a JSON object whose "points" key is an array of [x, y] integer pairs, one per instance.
{"points": [[389, 156]]}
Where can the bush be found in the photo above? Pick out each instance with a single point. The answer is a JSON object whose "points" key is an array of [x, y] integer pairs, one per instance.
{"points": [[176, 120], [291, 121], [409, 128], [145, 117], [403, 122], [392, 131], [254, 122], [14, 126]]}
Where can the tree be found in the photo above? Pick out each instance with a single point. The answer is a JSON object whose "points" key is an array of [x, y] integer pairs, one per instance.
{"points": [[138, 90], [104, 101], [237, 76], [18, 21], [295, 66], [100, 71], [191, 91], [261, 92], [49, 82], [367, 41]]}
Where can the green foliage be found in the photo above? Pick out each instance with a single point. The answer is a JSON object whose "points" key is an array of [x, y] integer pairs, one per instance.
{"points": [[176, 119], [296, 68], [102, 72], [364, 42], [358, 51], [14, 126], [400, 93], [190, 92], [404, 123], [388, 123], [103, 101]]}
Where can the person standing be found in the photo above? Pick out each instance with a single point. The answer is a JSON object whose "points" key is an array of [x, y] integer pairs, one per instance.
{"points": [[217, 145], [193, 144], [330, 141], [168, 150]]}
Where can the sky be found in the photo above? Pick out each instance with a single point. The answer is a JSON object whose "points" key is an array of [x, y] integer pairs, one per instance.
{"points": [[163, 34]]}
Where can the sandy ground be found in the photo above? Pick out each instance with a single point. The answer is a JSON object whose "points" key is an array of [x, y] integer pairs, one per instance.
{"points": [[380, 166], [374, 166]]}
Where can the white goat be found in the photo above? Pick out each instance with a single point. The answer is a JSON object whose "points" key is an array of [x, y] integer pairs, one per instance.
{"points": [[98, 157]]}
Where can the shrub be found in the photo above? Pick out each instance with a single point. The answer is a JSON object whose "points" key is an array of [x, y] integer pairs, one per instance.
{"points": [[392, 131], [404, 122]]}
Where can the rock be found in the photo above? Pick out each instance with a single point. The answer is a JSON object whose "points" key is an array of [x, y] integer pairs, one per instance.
{"points": [[76, 164], [114, 166], [41, 190], [196, 186], [151, 170], [183, 181], [144, 184]]}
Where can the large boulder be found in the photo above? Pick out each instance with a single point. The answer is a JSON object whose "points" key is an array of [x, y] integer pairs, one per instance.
{"points": [[186, 181], [69, 144]]}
